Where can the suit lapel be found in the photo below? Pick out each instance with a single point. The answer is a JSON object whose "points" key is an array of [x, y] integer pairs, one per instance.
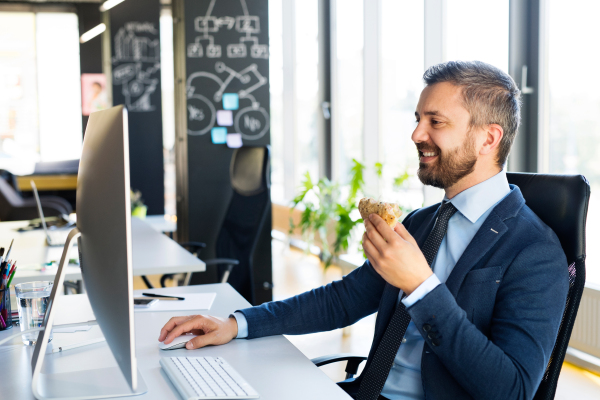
{"points": [[486, 237]]}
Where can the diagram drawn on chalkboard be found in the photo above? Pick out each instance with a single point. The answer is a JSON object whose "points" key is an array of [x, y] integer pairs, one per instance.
{"points": [[245, 24], [137, 63], [252, 121]]}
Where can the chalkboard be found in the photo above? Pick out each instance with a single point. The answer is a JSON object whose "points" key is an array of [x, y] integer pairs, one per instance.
{"points": [[135, 50], [227, 91], [228, 68]]}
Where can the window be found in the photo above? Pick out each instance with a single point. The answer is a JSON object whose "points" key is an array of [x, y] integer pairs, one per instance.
{"points": [[168, 107], [402, 64], [573, 142], [276, 87], [306, 89], [478, 30], [40, 111], [348, 85]]}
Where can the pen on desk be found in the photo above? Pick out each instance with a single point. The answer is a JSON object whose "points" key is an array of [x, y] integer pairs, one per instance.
{"points": [[9, 248], [160, 296]]}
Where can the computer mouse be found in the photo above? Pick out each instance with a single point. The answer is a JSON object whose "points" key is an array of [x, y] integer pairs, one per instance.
{"points": [[177, 343]]}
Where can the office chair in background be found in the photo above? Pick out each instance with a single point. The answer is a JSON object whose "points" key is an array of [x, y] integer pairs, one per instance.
{"points": [[13, 207], [561, 201], [238, 236]]}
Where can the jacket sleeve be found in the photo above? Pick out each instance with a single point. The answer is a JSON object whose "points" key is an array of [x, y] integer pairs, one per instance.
{"points": [[510, 363], [336, 305]]}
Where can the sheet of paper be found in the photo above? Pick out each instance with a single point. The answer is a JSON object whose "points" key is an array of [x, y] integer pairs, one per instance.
{"points": [[193, 301], [72, 309]]}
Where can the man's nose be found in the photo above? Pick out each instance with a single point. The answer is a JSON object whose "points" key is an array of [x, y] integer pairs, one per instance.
{"points": [[420, 134]]}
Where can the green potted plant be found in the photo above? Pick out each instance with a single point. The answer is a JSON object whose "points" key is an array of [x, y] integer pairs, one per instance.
{"points": [[138, 209], [329, 211]]}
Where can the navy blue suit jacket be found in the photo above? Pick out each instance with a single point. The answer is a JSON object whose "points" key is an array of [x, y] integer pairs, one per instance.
{"points": [[489, 330]]}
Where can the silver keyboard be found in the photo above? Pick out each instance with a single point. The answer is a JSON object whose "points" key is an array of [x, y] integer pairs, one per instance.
{"points": [[206, 378]]}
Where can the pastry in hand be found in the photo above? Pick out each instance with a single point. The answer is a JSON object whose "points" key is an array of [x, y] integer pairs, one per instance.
{"points": [[389, 212]]}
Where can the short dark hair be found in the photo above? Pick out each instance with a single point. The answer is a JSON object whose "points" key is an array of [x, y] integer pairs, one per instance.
{"points": [[490, 95]]}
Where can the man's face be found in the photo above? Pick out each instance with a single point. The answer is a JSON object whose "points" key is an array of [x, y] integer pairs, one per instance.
{"points": [[443, 138]]}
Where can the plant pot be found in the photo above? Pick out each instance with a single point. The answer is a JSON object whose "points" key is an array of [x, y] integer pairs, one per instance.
{"points": [[139, 212]]}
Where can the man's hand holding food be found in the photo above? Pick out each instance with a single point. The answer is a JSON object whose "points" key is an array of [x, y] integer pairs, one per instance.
{"points": [[394, 253]]}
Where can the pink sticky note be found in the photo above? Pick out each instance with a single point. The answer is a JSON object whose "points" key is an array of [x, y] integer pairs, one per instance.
{"points": [[224, 118], [234, 140]]}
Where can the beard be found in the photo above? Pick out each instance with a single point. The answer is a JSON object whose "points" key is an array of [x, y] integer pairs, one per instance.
{"points": [[450, 166]]}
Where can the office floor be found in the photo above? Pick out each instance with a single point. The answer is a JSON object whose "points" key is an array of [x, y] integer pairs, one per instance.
{"points": [[295, 272]]}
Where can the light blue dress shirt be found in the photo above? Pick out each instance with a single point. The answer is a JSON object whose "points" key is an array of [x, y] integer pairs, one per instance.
{"points": [[473, 205]]}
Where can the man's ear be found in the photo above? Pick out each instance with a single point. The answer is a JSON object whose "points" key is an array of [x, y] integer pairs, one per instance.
{"points": [[494, 134]]}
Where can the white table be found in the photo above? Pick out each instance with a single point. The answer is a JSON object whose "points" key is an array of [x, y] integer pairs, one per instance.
{"points": [[272, 365], [162, 223], [153, 253]]}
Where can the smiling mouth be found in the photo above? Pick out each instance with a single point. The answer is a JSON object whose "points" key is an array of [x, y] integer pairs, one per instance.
{"points": [[425, 155]]}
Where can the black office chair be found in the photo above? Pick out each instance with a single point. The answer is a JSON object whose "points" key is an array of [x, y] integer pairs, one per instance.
{"points": [[561, 201], [13, 207], [247, 211]]}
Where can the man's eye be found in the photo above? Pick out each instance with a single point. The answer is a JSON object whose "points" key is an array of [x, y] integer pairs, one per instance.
{"points": [[434, 122]]}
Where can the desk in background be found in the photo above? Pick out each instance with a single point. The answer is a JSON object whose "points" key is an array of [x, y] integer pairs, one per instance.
{"points": [[153, 253], [272, 365], [47, 182]]}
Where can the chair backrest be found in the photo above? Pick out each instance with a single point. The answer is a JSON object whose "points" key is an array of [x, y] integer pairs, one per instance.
{"points": [[561, 201], [9, 199], [248, 208]]}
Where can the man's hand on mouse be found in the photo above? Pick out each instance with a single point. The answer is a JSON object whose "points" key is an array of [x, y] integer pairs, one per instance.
{"points": [[211, 330], [395, 254]]}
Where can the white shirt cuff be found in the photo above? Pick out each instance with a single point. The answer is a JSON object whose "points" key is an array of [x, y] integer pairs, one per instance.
{"points": [[242, 325], [421, 291]]}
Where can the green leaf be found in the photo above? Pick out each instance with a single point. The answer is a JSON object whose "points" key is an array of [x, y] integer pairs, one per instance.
{"points": [[357, 181], [399, 180], [379, 169], [306, 186]]}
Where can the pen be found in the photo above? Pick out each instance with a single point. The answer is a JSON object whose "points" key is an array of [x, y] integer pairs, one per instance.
{"points": [[9, 248], [12, 274], [160, 296]]}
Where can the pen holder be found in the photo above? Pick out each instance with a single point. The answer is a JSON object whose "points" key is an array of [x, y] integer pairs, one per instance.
{"points": [[5, 312]]}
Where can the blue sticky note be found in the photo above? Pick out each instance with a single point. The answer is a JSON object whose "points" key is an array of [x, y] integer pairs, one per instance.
{"points": [[218, 135], [231, 101]]}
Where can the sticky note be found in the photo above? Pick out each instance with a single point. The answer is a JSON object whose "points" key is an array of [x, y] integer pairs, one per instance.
{"points": [[218, 135], [231, 101], [234, 140], [224, 118]]}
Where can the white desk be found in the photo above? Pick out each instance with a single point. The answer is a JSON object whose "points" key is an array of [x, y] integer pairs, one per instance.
{"points": [[153, 253], [272, 365], [161, 223]]}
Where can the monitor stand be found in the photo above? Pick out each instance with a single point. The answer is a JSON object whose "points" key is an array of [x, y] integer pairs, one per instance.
{"points": [[77, 385]]}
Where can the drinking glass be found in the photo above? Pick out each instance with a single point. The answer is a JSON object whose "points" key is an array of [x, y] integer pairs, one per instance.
{"points": [[32, 299]]}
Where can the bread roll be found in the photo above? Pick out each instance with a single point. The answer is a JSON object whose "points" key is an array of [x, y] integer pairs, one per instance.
{"points": [[389, 212]]}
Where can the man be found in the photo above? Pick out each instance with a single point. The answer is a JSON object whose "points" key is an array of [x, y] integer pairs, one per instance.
{"points": [[481, 322]]}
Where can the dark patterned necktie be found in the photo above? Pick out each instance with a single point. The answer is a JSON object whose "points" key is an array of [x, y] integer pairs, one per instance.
{"points": [[374, 378]]}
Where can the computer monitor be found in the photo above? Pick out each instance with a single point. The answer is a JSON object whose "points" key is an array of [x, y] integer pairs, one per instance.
{"points": [[105, 250]]}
